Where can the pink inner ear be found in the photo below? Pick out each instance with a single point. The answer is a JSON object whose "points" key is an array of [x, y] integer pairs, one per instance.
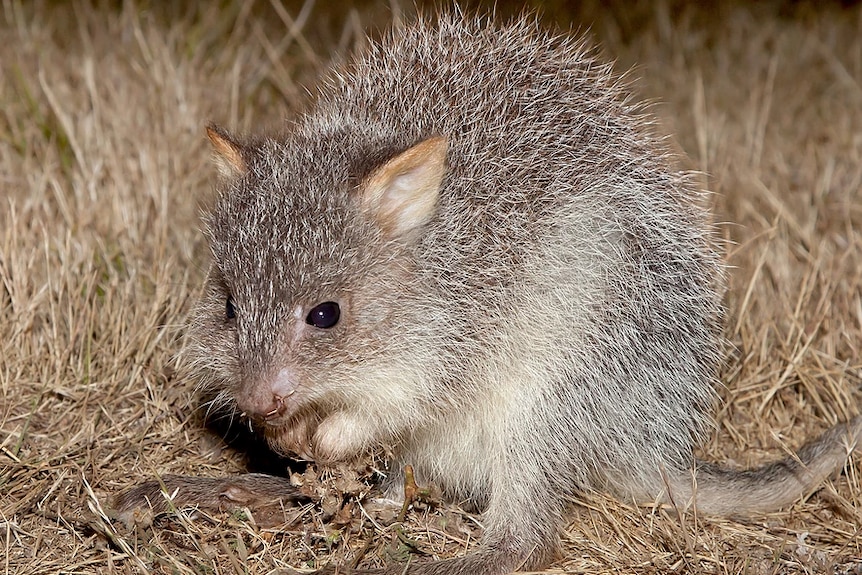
{"points": [[402, 194]]}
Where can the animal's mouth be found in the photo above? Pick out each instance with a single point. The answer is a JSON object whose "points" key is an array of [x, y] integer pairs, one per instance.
{"points": [[281, 412], [271, 421], [269, 410]]}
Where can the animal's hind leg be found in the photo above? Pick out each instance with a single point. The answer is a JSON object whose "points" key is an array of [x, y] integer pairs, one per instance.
{"points": [[252, 490]]}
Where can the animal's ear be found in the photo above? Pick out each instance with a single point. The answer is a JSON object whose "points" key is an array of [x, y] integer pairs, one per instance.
{"points": [[402, 193], [229, 155]]}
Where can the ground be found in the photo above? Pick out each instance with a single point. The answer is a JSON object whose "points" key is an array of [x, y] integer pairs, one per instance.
{"points": [[104, 167]]}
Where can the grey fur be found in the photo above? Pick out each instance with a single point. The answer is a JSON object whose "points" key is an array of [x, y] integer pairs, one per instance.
{"points": [[553, 327]]}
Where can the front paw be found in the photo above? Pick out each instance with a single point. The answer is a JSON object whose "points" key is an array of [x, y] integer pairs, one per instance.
{"points": [[294, 440], [342, 436]]}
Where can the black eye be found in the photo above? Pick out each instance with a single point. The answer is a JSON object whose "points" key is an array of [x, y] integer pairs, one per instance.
{"points": [[229, 310], [324, 315]]}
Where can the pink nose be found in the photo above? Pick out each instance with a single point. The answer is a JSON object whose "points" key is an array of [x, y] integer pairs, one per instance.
{"points": [[269, 398]]}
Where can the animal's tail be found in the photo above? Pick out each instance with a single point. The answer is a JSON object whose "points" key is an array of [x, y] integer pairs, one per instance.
{"points": [[719, 491]]}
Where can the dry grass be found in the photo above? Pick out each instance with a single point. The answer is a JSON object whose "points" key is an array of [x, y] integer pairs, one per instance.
{"points": [[103, 166]]}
